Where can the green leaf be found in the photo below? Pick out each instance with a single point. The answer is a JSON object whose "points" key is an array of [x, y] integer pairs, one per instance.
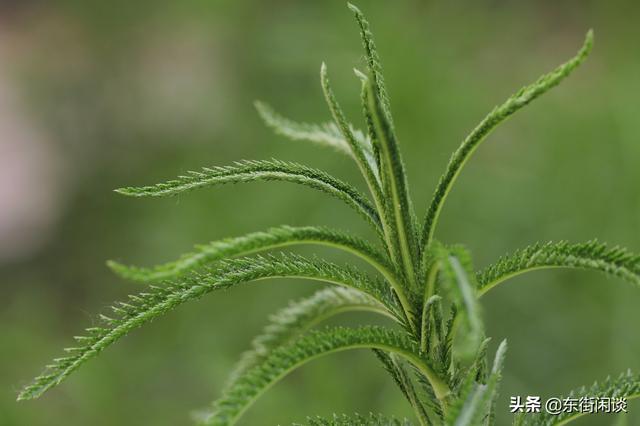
{"points": [[459, 158], [465, 403], [477, 371], [395, 187], [392, 171], [397, 371], [591, 255], [311, 346], [446, 348], [627, 385], [362, 152], [255, 242], [327, 134], [369, 163], [373, 62], [371, 131], [262, 170], [159, 300], [491, 394], [457, 279], [259, 241], [368, 167], [430, 330], [300, 317], [474, 405], [355, 420]]}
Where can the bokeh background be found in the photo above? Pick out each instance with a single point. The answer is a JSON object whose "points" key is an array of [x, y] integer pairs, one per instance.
{"points": [[96, 95]]}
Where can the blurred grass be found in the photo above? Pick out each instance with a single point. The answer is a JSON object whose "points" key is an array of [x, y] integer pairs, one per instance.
{"points": [[132, 93]]}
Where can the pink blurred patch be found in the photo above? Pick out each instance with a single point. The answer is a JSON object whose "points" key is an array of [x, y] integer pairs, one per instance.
{"points": [[30, 182]]}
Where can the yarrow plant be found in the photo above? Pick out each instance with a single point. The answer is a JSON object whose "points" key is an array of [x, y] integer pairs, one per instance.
{"points": [[435, 348]]}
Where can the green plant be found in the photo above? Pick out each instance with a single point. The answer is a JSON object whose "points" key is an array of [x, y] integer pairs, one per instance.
{"points": [[437, 350]]}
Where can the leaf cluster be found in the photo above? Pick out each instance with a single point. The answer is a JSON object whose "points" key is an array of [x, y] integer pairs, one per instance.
{"points": [[434, 346]]}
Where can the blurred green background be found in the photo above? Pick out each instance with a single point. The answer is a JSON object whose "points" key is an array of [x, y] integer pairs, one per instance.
{"points": [[96, 95]]}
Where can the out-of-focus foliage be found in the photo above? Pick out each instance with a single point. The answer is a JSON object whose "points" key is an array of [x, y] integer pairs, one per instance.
{"points": [[118, 93]]}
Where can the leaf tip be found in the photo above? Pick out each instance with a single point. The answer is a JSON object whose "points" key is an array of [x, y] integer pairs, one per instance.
{"points": [[29, 393], [589, 37], [362, 76], [324, 81], [323, 69], [125, 191], [115, 266], [352, 7], [264, 111], [502, 349], [588, 43]]}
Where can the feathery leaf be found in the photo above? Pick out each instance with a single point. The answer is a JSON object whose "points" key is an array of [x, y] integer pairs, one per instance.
{"points": [[262, 170], [593, 255], [327, 134], [474, 404], [429, 327], [477, 371], [355, 420], [371, 132], [373, 62], [311, 346], [392, 171], [397, 371], [395, 187], [159, 300], [368, 166], [363, 154], [491, 394], [422, 275], [458, 280], [459, 158], [255, 242], [301, 316]]}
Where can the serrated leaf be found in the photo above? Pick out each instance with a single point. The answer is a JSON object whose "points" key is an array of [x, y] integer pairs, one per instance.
{"points": [[392, 170], [355, 420], [160, 300], [374, 64], [283, 360], [459, 158], [362, 152], [326, 134], [394, 366], [616, 261], [474, 404], [458, 280], [262, 170], [252, 243], [395, 187], [300, 317]]}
